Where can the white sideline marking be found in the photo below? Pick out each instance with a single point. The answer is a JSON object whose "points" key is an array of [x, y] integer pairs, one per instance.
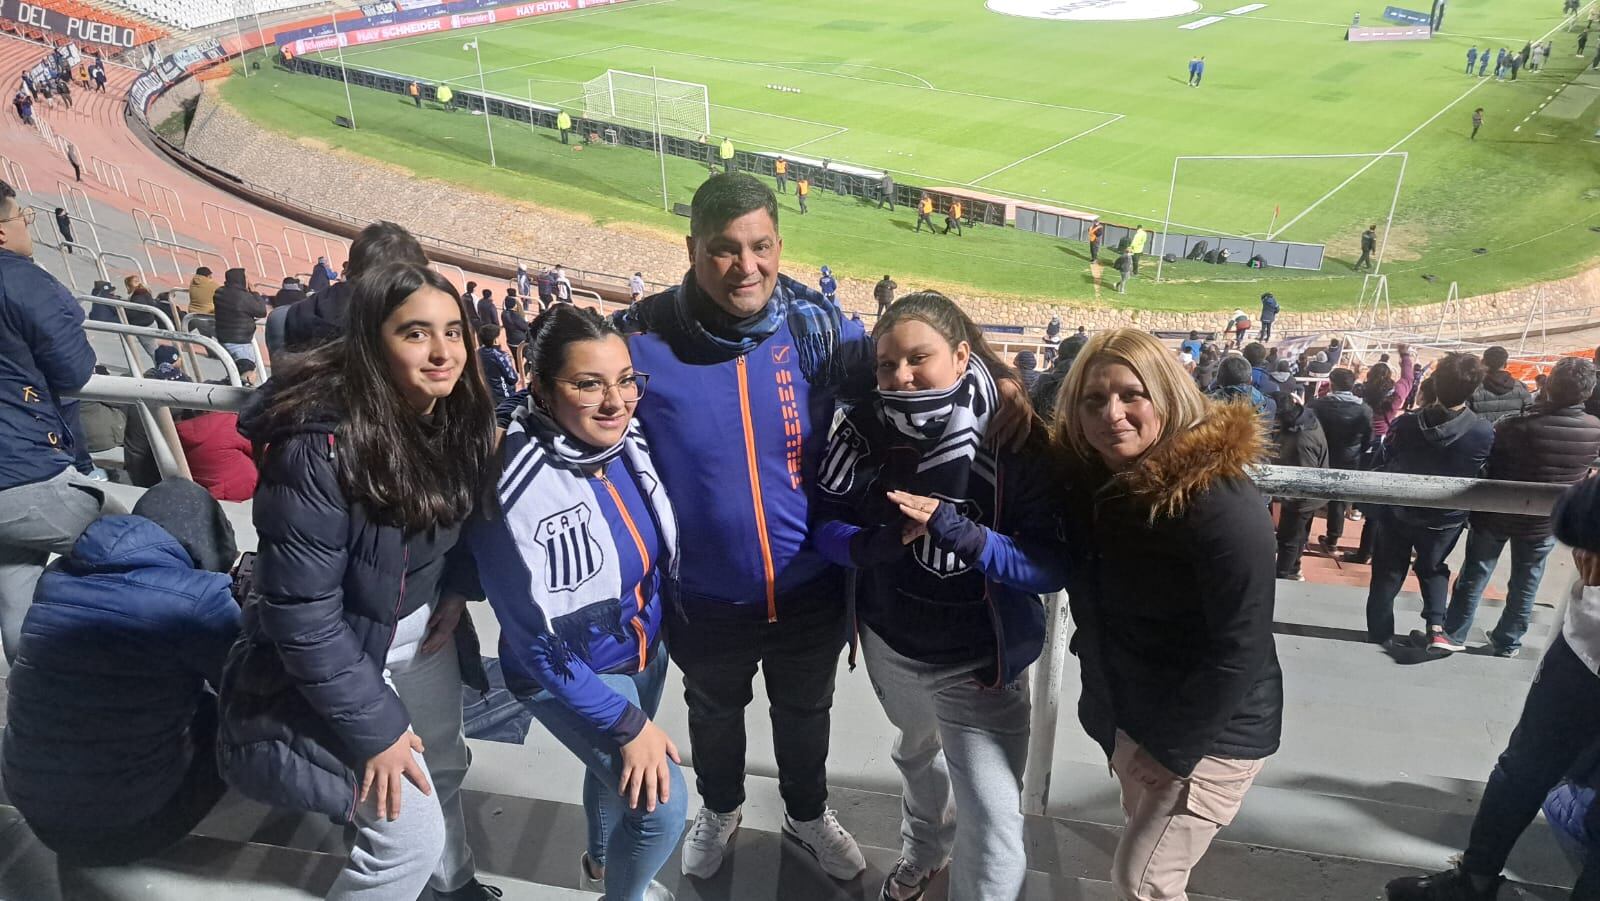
{"points": [[840, 129], [805, 62], [1201, 23], [1239, 11], [537, 20], [1409, 135], [1046, 150], [894, 84]]}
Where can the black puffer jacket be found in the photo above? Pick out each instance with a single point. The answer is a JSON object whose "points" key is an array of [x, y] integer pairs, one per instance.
{"points": [[1500, 395], [304, 703], [238, 308], [1554, 446], [317, 320], [1301, 442], [1175, 615], [1347, 424]]}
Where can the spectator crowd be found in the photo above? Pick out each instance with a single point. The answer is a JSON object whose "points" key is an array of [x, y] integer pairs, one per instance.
{"points": [[418, 450]]}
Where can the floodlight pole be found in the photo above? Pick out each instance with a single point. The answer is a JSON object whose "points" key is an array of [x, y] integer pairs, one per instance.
{"points": [[661, 144], [483, 94], [344, 74], [244, 54], [1166, 223], [531, 130], [1393, 203]]}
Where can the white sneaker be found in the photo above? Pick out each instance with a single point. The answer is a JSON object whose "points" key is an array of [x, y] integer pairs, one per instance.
{"points": [[833, 847], [905, 882], [707, 841]]}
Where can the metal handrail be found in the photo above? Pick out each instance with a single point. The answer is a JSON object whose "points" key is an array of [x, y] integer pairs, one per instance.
{"points": [[173, 247], [120, 305], [143, 183], [172, 233], [69, 198], [177, 337], [104, 168], [207, 206], [14, 173], [118, 389]]}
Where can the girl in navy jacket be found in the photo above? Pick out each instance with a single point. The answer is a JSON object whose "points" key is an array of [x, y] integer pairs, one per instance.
{"points": [[574, 553], [955, 542]]}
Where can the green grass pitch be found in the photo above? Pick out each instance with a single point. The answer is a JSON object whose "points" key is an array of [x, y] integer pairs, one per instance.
{"points": [[1085, 115]]}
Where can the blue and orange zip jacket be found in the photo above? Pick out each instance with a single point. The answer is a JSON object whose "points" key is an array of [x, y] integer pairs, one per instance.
{"points": [[737, 442], [529, 654]]}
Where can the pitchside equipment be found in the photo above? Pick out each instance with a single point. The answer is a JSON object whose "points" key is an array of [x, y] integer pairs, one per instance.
{"points": [[633, 99]]}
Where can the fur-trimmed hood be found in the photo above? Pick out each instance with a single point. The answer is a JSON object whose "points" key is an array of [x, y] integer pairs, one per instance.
{"points": [[1170, 477]]}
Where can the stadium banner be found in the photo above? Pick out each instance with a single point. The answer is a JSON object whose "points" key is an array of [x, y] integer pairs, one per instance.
{"points": [[408, 22], [147, 87], [72, 27], [1407, 16], [1381, 33]]}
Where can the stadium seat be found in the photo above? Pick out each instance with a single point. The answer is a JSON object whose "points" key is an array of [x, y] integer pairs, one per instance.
{"points": [[190, 14], [144, 31]]}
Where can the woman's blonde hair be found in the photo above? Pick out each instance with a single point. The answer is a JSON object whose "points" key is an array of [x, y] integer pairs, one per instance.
{"points": [[1172, 391], [132, 282]]}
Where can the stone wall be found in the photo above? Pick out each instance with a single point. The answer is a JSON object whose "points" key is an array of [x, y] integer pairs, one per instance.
{"points": [[361, 187]]}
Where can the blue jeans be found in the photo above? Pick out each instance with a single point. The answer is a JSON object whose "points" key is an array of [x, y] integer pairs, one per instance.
{"points": [[631, 844], [1528, 556]]}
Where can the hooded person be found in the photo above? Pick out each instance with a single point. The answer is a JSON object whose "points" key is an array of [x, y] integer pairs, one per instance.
{"points": [[1301, 442], [1501, 394], [238, 308], [166, 368], [307, 326], [1043, 395], [1233, 385], [290, 293], [111, 715], [1443, 438], [1347, 426], [1027, 364], [1282, 376]]}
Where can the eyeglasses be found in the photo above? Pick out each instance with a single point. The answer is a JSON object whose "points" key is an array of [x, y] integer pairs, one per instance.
{"points": [[26, 215], [592, 392]]}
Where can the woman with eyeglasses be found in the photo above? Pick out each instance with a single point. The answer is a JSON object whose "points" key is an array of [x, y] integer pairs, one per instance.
{"points": [[574, 552]]}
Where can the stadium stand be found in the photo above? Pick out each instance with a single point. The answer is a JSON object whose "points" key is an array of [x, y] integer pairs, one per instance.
{"points": [[191, 14], [1352, 800]]}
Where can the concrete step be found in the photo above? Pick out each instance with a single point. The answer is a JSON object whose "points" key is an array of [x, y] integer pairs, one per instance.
{"points": [[1338, 612]]}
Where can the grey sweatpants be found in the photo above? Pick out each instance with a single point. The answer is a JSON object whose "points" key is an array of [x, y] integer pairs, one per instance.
{"points": [[38, 520], [427, 845], [961, 747]]}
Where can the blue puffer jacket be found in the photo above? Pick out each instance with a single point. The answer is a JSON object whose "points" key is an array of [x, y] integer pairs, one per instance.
{"points": [[123, 635], [44, 353], [304, 703], [738, 438]]}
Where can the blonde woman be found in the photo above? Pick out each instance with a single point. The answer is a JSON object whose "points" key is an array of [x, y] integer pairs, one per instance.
{"points": [[1171, 585]]}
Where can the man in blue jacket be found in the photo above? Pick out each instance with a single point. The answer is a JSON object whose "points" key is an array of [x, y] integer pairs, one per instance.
{"points": [[1445, 438], [1269, 312], [746, 366], [45, 502], [111, 725]]}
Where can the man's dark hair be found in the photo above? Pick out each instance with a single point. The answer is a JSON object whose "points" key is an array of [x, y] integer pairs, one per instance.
{"points": [[1571, 382], [724, 198], [488, 335], [203, 270], [1233, 371], [1194, 335], [1256, 353], [6, 192], [1456, 377], [1342, 379], [1495, 358], [383, 242]]}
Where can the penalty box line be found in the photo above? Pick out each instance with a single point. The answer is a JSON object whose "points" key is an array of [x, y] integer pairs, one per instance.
{"points": [[1115, 118]]}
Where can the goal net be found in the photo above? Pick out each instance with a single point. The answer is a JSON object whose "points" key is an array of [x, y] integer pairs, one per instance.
{"points": [[633, 99]]}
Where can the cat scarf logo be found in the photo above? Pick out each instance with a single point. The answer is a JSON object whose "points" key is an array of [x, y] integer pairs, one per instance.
{"points": [[571, 554]]}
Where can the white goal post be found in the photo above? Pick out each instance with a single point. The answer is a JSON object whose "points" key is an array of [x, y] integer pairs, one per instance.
{"points": [[633, 99], [1272, 234]]}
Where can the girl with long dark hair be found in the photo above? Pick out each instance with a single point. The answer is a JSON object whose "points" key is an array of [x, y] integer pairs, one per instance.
{"points": [[955, 542], [575, 549], [343, 694]]}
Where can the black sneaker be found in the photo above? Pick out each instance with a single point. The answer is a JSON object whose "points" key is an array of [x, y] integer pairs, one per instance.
{"points": [[1450, 885], [472, 891], [1356, 557]]}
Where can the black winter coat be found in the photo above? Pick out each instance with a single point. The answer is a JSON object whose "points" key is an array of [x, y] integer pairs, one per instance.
{"points": [[515, 324], [1175, 616], [1301, 442], [238, 308], [304, 703], [1347, 426], [1554, 446], [1500, 395], [1435, 441]]}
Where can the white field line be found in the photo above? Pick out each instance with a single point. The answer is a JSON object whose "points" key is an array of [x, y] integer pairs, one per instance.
{"points": [[878, 81], [1478, 83], [1036, 153], [925, 82], [473, 75], [839, 130], [536, 20]]}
